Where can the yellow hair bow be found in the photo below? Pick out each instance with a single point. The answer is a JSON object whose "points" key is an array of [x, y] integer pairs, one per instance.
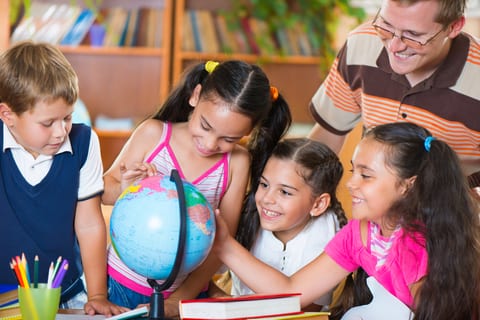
{"points": [[211, 65]]}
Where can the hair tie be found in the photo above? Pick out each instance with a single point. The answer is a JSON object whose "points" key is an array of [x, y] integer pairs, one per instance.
{"points": [[274, 93], [211, 65], [428, 142]]}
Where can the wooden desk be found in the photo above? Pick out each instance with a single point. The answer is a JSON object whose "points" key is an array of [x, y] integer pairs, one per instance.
{"points": [[63, 314]]}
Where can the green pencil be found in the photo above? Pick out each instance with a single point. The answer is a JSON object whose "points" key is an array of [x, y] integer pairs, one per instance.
{"points": [[35, 272]]}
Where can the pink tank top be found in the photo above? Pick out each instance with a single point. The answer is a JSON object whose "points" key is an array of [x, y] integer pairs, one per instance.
{"points": [[212, 183]]}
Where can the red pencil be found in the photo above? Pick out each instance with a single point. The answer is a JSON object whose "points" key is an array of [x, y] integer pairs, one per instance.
{"points": [[16, 271]]}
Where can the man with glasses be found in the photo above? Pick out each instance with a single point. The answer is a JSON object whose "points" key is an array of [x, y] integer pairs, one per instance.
{"points": [[411, 63]]}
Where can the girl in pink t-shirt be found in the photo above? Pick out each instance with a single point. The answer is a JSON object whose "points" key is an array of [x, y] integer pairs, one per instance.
{"points": [[415, 230]]}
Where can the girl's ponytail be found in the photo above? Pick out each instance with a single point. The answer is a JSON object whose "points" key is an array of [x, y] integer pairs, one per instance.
{"points": [[268, 133]]}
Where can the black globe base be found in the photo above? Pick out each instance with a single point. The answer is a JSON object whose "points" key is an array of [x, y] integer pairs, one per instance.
{"points": [[157, 306], [157, 310]]}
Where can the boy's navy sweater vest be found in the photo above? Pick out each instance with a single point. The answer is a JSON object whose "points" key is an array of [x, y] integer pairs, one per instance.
{"points": [[39, 220]]}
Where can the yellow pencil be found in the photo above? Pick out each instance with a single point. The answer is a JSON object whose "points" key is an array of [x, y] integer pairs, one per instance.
{"points": [[21, 268], [25, 266]]}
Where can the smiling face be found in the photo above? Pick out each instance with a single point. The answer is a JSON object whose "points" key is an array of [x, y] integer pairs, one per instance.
{"points": [[417, 22], [374, 187], [215, 128], [283, 199], [43, 128]]}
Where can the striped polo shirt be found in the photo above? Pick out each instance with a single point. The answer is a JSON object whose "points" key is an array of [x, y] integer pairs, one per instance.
{"points": [[361, 85]]}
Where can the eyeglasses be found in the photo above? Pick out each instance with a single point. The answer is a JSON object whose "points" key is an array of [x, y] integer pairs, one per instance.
{"points": [[386, 34]]}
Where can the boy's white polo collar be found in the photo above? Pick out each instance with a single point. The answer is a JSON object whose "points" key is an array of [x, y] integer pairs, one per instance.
{"points": [[9, 142]]}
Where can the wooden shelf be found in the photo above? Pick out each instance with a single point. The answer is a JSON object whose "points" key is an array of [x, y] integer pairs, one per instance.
{"points": [[111, 142], [121, 51], [296, 77], [116, 82], [252, 58], [132, 82]]}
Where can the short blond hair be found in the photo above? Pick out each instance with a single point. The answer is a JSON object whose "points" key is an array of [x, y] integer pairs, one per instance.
{"points": [[32, 72]]}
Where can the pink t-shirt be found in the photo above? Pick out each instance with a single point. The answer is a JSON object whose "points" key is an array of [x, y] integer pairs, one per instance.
{"points": [[405, 264]]}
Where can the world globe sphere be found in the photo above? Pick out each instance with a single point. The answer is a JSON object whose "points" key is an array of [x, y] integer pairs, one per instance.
{"points": [[145, 227]]}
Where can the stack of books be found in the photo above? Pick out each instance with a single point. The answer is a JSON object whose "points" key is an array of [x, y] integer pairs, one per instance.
{"points": [[256, 306], [9, 308], [208, 31], [69, 24]]}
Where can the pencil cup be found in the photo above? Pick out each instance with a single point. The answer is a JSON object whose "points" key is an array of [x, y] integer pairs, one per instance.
{"points": [[39, 303]]}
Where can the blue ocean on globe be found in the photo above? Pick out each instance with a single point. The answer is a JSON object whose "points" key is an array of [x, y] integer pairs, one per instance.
{"points": [[145, 227]]}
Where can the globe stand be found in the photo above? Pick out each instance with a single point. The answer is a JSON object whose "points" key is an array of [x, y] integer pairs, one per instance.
{"points": [[157, 306]]}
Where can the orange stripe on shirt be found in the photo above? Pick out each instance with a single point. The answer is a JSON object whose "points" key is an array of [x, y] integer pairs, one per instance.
{"points": [[460, 138]]}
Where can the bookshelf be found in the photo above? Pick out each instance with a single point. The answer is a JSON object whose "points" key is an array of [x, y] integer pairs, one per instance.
{"points": [[296, 77], [115, 81], [119, 82]]}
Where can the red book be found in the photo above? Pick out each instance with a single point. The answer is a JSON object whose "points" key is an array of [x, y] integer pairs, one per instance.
{"points": [[241, 307], [247, 29]]}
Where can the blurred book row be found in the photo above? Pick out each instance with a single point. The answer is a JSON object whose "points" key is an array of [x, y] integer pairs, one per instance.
{"points": [[209, 32], [67, 24]]}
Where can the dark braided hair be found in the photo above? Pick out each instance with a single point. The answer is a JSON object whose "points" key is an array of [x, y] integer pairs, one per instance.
{"points": [[321, 171]]}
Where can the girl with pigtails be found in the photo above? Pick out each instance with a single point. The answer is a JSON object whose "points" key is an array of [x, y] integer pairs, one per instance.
{"points": [[197, 132]]}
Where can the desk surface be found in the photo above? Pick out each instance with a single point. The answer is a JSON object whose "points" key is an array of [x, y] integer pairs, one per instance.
{"points": [[63, 314]]}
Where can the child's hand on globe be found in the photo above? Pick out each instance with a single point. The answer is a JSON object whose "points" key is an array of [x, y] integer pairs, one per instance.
{"points": [[136, 172]]}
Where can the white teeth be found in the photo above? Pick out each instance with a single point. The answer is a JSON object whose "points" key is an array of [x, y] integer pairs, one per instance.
{"points": [[270, 213], [403, 56], [356, 200]]}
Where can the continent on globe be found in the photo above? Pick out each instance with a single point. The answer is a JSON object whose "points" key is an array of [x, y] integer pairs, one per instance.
{"points": [[145, 227]]}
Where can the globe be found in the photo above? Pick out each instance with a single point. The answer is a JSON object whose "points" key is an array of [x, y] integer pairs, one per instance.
{"points": [[145, 227]]}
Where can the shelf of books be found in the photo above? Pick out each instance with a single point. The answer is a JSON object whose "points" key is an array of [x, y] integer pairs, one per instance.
{"points": [[145, 45], [120, 50], [202, 33]]}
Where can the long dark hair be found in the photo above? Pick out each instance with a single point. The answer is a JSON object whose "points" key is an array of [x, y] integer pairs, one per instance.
{"points": [[439, 206], [246, 89], [321, 170]]}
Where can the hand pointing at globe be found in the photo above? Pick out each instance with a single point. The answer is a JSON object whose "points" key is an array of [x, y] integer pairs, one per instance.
{"points": [[135, 172]]}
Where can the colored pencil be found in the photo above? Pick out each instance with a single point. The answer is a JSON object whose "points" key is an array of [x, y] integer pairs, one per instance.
{"points": [[35, 272], [60, 274], [57, 265], [16, 273], [22, 272], [50, 275], [25, 266]]}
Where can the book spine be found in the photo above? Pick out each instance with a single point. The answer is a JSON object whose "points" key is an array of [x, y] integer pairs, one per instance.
{"points": [[245, 23], [123, 34], [196, 31], [80, 28], [207, 31], [188, 42]]}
